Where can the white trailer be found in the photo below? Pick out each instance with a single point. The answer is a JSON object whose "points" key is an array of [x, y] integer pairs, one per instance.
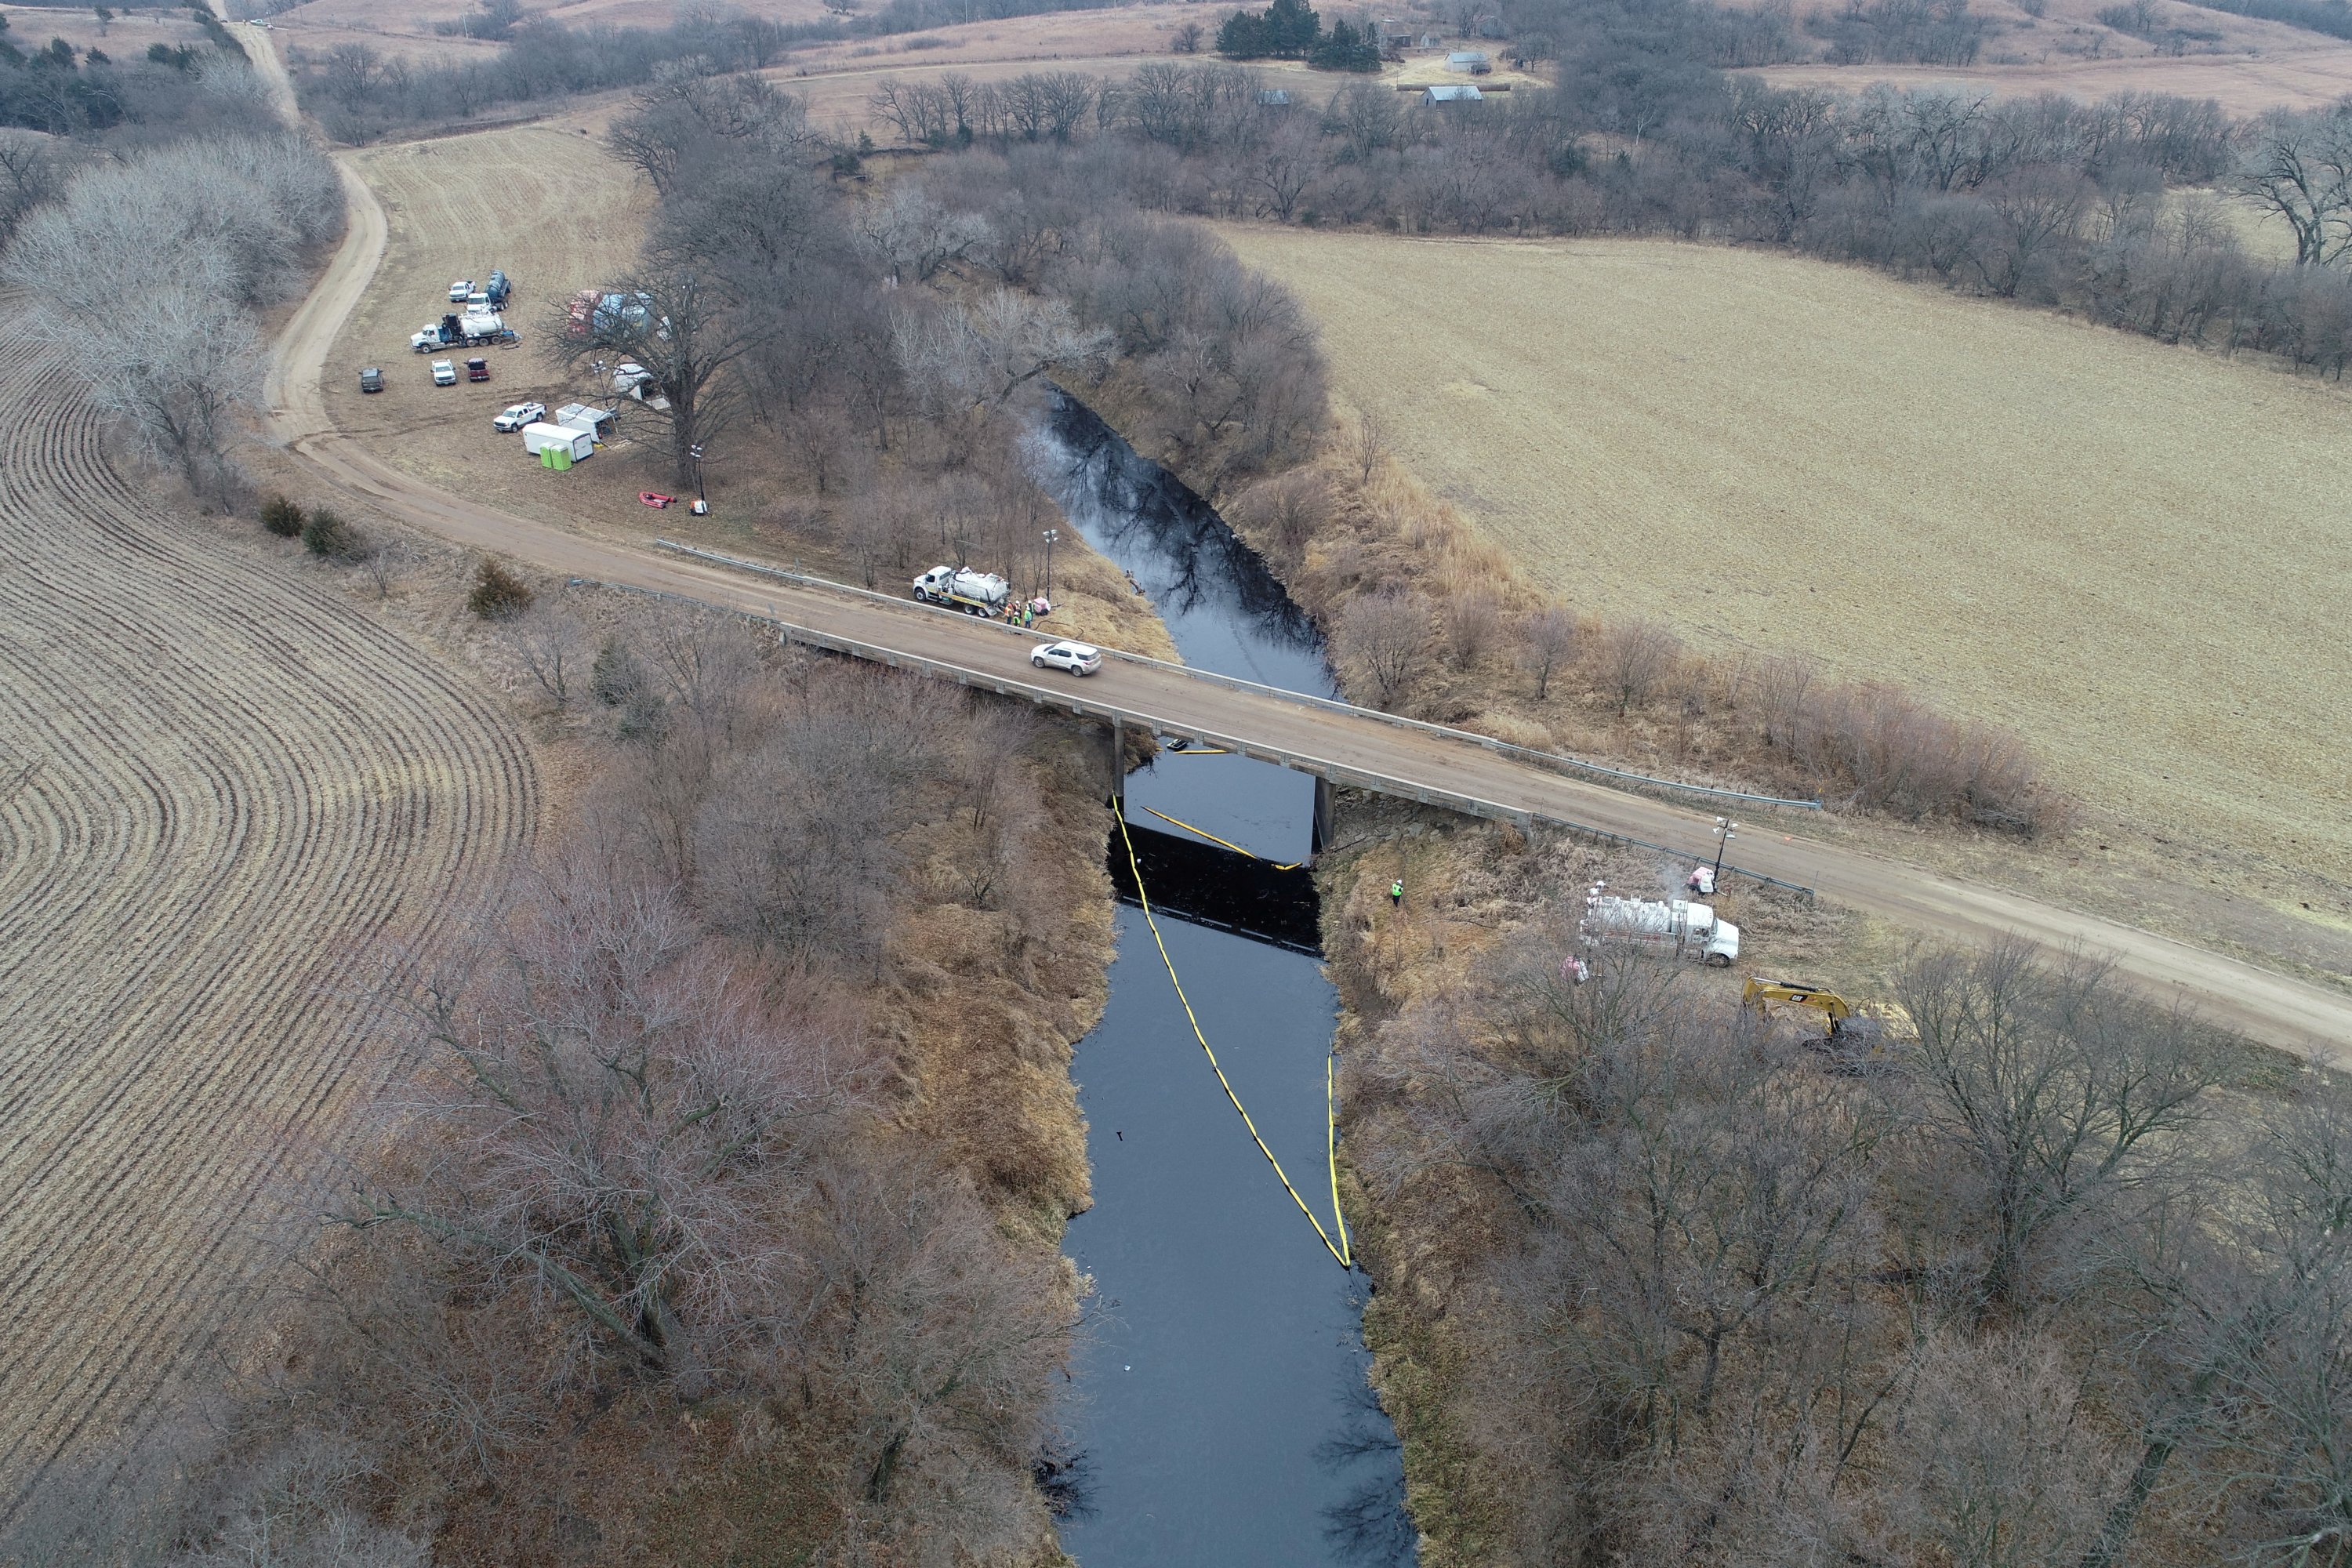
{"points": [[543, 436], [1674, 928]]}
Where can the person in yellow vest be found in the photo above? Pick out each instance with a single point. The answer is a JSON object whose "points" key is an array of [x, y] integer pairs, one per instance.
{"points": [[1396, 894]]}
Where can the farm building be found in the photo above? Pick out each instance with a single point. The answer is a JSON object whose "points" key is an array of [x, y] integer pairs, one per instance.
{"points": [[1472, 61], [1460, 93]]}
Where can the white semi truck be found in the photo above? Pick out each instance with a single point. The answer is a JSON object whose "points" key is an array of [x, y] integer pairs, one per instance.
{"points": [[974, 593], [1674, 928]]}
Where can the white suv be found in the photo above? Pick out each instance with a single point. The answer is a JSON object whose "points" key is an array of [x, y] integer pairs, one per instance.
{"points": [[1077, 658], [445, 373]]}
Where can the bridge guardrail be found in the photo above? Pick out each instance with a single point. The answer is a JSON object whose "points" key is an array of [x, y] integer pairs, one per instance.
{"points": [[1600, 772], [1300, 762]]}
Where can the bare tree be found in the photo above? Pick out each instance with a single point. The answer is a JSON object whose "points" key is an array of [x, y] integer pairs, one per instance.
{"points": [[2300, 167], [1384, 637], [555, 647], [1186, 39], [978, 356], [603, 1122], [1473, 619], [181, 371], [1635, 656], [914, 236], [681, 324], [2048, 1097], [1370, 441], [1546, 642], [1999, 1464]]}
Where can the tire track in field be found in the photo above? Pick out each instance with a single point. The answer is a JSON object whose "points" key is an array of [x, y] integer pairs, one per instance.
{"points": [[242, 787]]}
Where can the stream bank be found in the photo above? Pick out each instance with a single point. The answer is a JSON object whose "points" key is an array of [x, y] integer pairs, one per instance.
{"points": [[1220, 1410]]}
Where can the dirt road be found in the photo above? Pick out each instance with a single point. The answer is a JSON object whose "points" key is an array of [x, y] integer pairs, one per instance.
{"points": [[221, 785], [2267, 1007]]}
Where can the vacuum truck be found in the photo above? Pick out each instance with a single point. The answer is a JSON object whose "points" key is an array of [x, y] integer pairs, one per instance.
{"points": [[1674, 928], [974, 593]]}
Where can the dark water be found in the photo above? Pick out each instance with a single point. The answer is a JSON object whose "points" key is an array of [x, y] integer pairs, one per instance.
{"points": [[1219, 1409], [1224, 610]]}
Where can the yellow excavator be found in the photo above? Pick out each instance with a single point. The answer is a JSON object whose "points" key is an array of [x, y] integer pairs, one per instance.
{"points": [[1855, 1039]]}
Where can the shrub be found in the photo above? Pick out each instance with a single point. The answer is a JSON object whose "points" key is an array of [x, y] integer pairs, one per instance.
{"points": [[324, 533], [282, 517], [498, 592], [614, 677]]}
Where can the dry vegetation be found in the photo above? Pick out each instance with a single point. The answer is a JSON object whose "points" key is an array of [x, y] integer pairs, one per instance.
{"points": [[894, 970], [1657, 1285], [2030, 521], [548, 205], [220, 785]]}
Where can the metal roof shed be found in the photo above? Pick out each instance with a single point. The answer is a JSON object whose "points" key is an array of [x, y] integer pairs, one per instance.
{"points": [[1460, 93]]}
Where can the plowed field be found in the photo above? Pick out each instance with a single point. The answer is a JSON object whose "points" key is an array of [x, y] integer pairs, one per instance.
{"points": [[228, 785], [2134, 555]]}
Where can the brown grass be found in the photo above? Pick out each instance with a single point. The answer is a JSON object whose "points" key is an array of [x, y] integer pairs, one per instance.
{"points": [[543, 202], [2104, 543], [2262, 65]]}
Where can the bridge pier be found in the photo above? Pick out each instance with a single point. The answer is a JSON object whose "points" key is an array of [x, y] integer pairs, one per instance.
{"points": [[1321, 836], [1117, 780]]}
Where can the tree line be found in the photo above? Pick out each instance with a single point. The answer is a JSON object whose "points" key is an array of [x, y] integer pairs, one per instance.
{"points": [[892, 342], [712, 1207], [155, 267], [2047, 200], [83, 94], [2019, 1288], [359, 92]]}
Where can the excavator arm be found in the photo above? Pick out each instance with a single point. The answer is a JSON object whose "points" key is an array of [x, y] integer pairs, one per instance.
{"points": [[1759, 992]]}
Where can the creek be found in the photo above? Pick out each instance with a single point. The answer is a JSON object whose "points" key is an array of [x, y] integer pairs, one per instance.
{"points": [[1218, 1411]]}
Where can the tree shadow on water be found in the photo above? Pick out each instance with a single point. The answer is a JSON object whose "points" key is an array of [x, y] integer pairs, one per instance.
{"points": [[1369, 1524]]}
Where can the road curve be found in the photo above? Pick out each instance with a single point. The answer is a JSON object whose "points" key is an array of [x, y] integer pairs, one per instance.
{"points": [[2311, 1019]]}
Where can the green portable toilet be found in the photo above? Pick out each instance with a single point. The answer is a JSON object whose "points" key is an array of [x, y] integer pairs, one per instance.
{"points": [[547, 456], [559, 457]]}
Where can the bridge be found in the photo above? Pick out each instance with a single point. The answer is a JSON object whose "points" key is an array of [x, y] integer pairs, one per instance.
{"points": [[1805, 849]]}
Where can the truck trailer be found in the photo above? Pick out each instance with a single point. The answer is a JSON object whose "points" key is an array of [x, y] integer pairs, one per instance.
{"points": [[1671, 928]]}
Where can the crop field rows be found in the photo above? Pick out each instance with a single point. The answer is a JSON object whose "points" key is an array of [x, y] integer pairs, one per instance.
{"points": [[2130, 553], [239, 790]]}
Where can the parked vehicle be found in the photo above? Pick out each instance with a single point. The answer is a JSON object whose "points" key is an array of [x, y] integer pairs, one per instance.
{"points": [[629, 379], [470, 331], [461, 290], [499, 288], [516, 415], [445, 373], [478, 370], [371, 379], [1077, 658], [974, 593], [574, 444], [1674, 928]]}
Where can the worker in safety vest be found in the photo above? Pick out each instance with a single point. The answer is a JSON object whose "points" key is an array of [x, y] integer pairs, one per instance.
{"points": [[1396, 894]]}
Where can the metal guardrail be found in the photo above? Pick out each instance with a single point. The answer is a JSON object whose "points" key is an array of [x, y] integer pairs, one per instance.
{"points": [[1523, 818], [1601, 772]]}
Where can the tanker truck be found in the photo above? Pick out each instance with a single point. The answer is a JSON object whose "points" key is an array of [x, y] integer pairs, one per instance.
{"points": [[974, 593], [1674, 928]]}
